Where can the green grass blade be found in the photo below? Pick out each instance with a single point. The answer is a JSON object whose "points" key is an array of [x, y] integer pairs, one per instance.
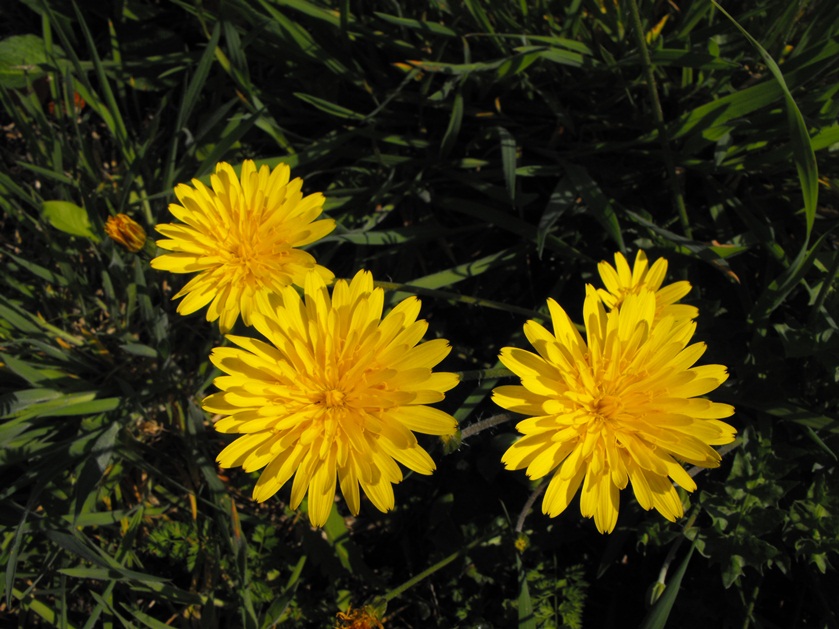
{"points": [[190, 101], [508, 161], [329, 107], [455, 121], [113, 109], [802, 148], [658, 615], [600, 206], [421, 26]]}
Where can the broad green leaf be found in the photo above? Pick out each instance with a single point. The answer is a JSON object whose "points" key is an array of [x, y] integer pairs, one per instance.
{"points": [[69, 218], [138, 349], [21, 57]]}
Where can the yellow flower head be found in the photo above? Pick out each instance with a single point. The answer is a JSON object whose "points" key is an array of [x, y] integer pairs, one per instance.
{"points": [[126, 231], [622, 408], [621, 281], [336, 390], [242, 238]]}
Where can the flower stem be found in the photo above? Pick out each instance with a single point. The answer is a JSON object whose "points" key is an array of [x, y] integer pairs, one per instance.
{"points": [[678, 198], [525, 511], [484, 374], [473, 429]]}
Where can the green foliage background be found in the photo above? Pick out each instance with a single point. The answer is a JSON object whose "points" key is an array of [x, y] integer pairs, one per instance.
{"points": [[484, 156]]}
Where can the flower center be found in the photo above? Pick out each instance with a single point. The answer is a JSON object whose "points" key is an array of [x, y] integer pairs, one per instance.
{"points": [[332, 398], [244, 252], [246, 256], [607, 407]]}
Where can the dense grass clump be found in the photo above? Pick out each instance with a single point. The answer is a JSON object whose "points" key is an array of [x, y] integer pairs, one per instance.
{"points": [[482, 156]]}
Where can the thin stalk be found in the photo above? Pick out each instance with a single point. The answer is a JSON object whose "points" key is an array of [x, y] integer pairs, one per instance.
{"points": [[750, 608], [678, 198], [528, 506], [473, 429], [484, 374], [674, 547]]}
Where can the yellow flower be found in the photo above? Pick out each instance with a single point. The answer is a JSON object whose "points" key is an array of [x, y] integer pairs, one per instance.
{"points": [[621, 281], [126, 231], [242, 238], [337, 390], [622, 408]]}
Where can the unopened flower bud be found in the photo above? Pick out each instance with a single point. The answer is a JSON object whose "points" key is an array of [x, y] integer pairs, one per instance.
{"points": [[126, 231]]}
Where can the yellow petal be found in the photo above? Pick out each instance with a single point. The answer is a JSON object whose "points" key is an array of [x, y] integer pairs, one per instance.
{"points": [[277, 473], [349, 487], [322, 490], [560, 492], [424, 419], [517, 399], [236, 453]]}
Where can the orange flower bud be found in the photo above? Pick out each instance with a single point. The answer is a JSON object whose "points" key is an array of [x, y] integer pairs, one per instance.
{"points": [[365, 618], [126, 231]]}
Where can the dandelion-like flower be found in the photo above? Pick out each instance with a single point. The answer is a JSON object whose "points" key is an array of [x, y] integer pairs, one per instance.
{"points": [[125, 231], [621, 281], [622, 408], [336, 391], [242, 238]]}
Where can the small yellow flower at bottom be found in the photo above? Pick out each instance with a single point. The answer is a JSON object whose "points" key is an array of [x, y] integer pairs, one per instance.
{"points": [[125, 231], [621, 408], [336, 391], [364, 618]]}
